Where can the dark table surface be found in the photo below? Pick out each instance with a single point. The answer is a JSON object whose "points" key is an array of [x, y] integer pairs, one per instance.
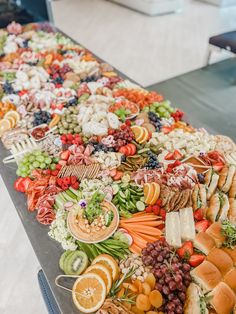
{"points": [[207, 95]]}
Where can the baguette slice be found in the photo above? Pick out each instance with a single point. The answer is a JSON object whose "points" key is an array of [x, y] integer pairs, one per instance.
{"points": [[173, 231], [232, 190], [232, 211], [229, 179], [224, 207], [223, 177], [213, 185], [187, 224]]}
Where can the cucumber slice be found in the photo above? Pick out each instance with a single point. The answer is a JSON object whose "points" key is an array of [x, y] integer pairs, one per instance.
{"points": [[115, 188], [122, 195], [140, 206], [76, 192], [71, 194]]}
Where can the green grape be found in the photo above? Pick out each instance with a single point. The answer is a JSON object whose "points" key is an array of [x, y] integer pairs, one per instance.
{"points": [[24, 160], [165, 104], [48, 160], [32, 158], [43, 165], [45, 154], [40, 158], [18, 172], [24, 168], [31, 167], [56, 159], [24, 174], [36, 164], [161, 109], [37, 152], [52, 166]]}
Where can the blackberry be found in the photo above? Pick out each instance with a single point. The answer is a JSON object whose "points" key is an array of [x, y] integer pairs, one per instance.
{"points": [[8, 89], [41, 117], [123, 158], [100, 147], [25, 43], [201, 178], [152, 163], [72, 101]]}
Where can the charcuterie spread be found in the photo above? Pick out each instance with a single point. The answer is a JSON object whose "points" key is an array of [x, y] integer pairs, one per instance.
{"points": [[142, 203]]}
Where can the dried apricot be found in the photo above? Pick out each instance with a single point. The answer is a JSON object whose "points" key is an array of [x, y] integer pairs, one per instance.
{"points": [[138, 285], [155, 298], [121, 292], [151, 280], [146, 288], [143, 302], [135, 310], [130, 287]]}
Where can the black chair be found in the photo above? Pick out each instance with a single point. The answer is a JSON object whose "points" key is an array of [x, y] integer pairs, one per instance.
{"points": [[48, 297], [226, 41]]}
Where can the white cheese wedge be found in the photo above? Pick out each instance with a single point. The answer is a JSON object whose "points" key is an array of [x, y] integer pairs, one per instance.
{"points": [[173, 232], [187, 224]]}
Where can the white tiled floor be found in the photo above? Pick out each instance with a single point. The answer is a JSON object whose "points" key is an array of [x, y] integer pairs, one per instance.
{"points": [[146, 49]]}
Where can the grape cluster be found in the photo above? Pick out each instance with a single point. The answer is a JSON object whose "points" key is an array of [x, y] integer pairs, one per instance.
{"points": [[58, 73], [153, 162], [34, 160], [41, 117], [155, 120], [122, 137], [172, 275]]}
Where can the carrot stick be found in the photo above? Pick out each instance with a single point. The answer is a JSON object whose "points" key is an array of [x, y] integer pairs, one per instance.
{"points": [[142, 229], [138, 240], [147, 237], [135, 249], [139, 219]]}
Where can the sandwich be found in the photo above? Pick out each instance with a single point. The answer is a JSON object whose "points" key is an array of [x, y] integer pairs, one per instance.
{"points": [[218, 207], [221, 260], [230, 279], [195, 302], [199, 196], [206, 275], [226, 178], [223, 299], [232, 211], [232, 190], [204, 242], [215, 232], [211, 180]]}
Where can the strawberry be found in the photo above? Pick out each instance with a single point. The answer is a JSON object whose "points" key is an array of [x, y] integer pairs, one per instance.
{"points": [[75, 185], [18, 184], [198, 214], [48, 171], [177, 155], [63, 137], [60, 106], [162, 214], [64, 186], [218, 166], [73, 179], [148, 209], [159, 202], [66, 180], [25, 183], [65, 155], [118, 175], [186, 250], [128, 122], [129, 150], [54, 172], [169, 156], [69, 137], [58, 166], [156, 209], [196, 260], [166, 129], [62, 162], [201, 226]]}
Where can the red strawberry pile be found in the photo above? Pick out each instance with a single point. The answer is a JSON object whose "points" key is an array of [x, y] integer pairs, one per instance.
{"points": [[21, 184], [128, 150], [70, 139], [187, 252], [177, 115], [66, 182], [157, 210]]}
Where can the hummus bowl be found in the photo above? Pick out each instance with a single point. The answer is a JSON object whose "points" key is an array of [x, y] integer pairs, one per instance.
{"points": [[78, 226]]}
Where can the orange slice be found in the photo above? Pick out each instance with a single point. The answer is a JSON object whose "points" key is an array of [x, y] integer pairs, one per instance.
{"points": [[14, 114], [109, 262], [4, 126], [89, 293], [148, 191], [144, 137], [138, 132], [156, 193], [54, 121], [103, 272], [12, 121]]}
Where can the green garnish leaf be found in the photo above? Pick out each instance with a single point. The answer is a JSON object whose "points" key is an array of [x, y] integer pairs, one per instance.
{"points": [[229, 231]]}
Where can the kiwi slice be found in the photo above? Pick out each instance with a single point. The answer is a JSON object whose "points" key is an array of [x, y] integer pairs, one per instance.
{"points": [[75, 263], [63, 258]]}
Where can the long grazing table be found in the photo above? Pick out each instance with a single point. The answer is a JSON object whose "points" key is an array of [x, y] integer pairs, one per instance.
{"points": [[209, 98]]}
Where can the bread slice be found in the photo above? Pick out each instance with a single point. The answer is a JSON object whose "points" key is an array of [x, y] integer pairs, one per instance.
{"points": [[230, 279], [232, 211], [231, 253], [204, 242], [215, 232], [214, 208], [206, 275], [221, 260], [223, 177], [224, 202], [223, 299]]}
